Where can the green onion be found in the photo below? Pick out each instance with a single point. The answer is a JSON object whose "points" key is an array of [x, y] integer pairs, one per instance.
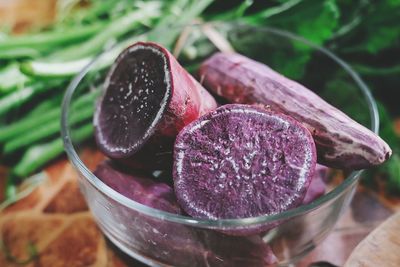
{"points": [[39, 155]]}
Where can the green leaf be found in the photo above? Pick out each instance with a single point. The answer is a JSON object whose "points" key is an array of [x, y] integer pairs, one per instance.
{"points": [[180, 13], [393, 170], [376, 71], [378, 30], [346, 96], [11, 78], [269, 12], [314, 20]]}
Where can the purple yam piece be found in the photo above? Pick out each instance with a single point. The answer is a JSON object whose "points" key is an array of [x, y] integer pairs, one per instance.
{"points": [[139, 188], [317, 186], [158, 239], [242, 161], [147, 96], [174, 243]]}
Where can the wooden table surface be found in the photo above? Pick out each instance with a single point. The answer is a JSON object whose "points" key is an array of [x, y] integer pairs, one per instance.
{"points": [[367, 211], [379, 248]]}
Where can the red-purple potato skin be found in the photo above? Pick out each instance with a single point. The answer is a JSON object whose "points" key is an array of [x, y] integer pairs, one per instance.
{"points": [[156, 154], [241, 161], [341, 142], [317, 186], [181, 245], [147, 96], [138, 187]]}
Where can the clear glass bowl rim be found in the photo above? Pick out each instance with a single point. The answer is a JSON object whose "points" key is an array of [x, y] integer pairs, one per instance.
{"points": [[225, 223]]}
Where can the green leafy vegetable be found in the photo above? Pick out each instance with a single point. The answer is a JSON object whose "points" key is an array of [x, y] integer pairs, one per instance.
{"points": [[11, 78], [393, 171], [38, 155], [315, 20]]}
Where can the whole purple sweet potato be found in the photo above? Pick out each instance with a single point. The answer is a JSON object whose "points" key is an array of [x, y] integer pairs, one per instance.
{"points": [[341, 142], [175, 243], [241, 161]]}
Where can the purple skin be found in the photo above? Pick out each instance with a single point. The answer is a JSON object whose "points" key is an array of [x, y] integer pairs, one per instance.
{"points": [[138, 188], [317, 186], [157, 239], [242, 161], [173, 242], [341, 142], [147, 97]]}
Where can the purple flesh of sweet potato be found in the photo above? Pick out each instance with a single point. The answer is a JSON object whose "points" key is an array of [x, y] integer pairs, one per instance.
{"points": [[146, 94], [341, 142], [176, 243], [242, 161], [317, 186]]}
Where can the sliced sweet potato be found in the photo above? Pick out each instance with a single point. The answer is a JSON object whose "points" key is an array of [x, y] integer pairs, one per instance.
{"points": [[241, 161], [147, 95]]}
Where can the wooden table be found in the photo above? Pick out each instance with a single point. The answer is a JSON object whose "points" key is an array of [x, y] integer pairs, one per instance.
{"points": [[379, 248]]}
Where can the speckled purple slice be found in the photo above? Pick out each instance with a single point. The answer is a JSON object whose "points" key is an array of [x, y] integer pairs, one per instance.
{"points": [[137, 91], [242, 161]]}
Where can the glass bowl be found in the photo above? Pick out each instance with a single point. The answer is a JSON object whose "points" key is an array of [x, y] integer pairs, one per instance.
{"points": [[159, 238]]}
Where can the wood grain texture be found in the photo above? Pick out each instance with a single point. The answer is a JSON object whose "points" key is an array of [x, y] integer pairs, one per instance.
{"points": [[380, 248], [56, 220], [21, 15]]}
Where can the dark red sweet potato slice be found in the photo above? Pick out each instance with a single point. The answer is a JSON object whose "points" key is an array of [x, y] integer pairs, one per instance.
{"points": [[317, 186], [147, 93], [341, 142], [175, 243], [241, 161]]}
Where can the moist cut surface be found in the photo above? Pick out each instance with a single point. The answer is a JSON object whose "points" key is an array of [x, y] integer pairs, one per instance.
{"points": [[240, 161], [136, 96]]}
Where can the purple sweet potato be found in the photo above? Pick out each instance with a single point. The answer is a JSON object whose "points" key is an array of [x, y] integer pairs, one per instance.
{"points": [[174, 243], [317, 186], [158, 239], [242, 161], [138, 187], [341, 142], [147, 94]]}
